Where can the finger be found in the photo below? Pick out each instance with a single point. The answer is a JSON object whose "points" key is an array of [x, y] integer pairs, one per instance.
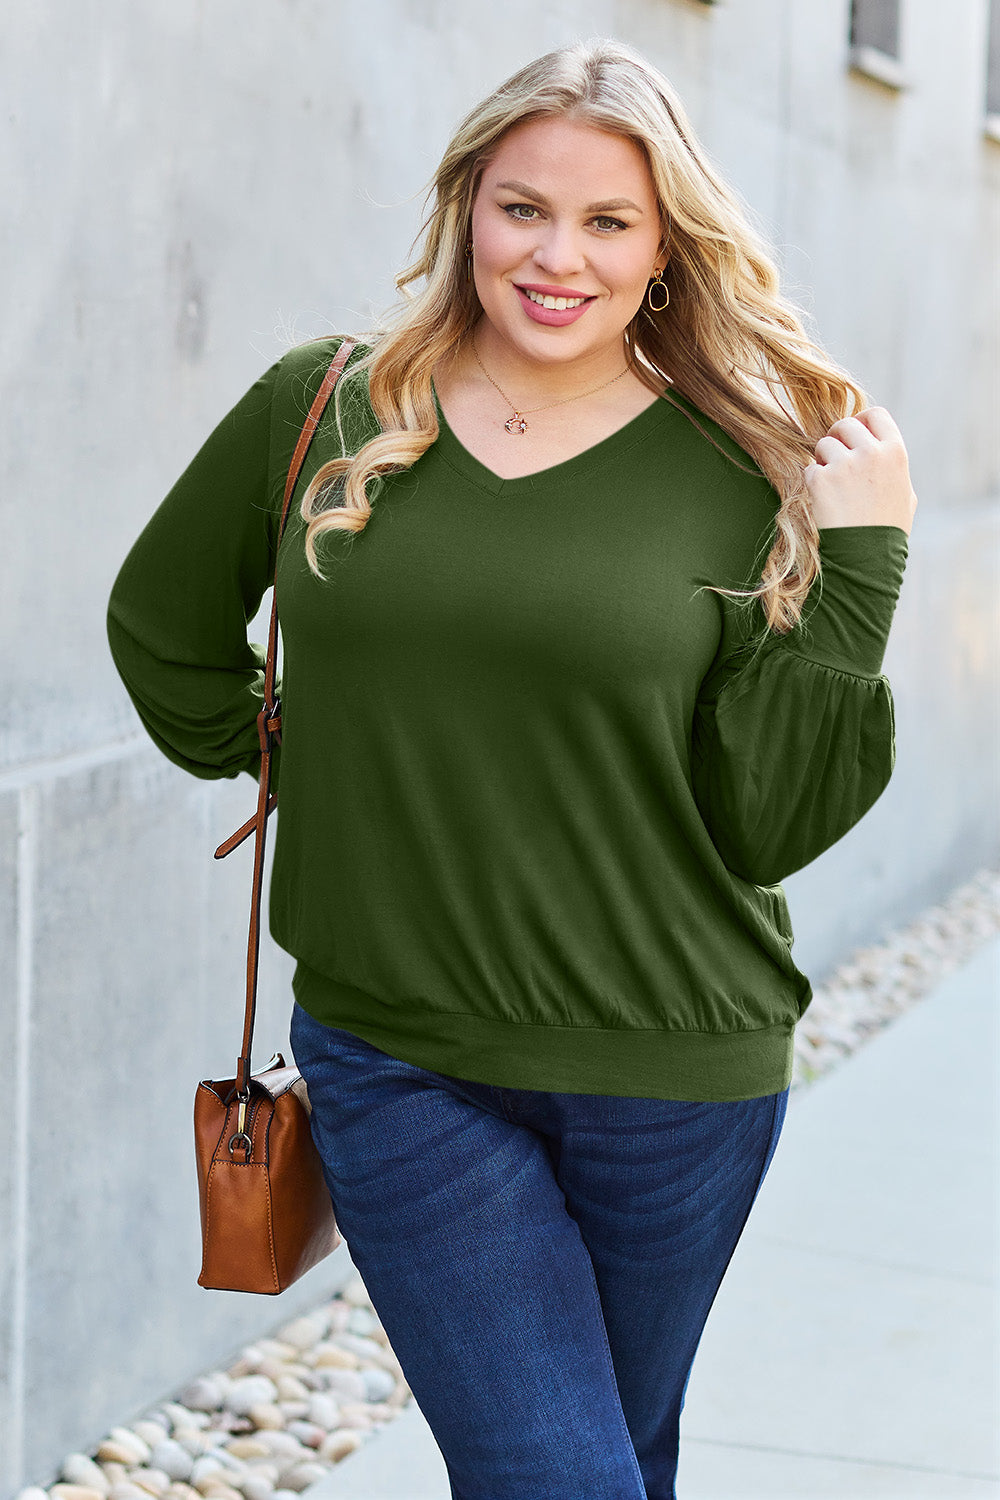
{"points": [[852, 432], [829, 449], [879, 423]]}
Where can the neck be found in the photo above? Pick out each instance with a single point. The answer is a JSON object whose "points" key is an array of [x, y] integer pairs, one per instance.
{"points": [[527, 381]]}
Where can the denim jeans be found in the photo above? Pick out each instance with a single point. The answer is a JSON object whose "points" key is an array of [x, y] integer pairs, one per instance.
{"points": [[542, 1263]]}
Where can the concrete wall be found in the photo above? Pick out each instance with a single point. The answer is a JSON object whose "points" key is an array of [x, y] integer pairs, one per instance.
{"points": [[187, 185]]}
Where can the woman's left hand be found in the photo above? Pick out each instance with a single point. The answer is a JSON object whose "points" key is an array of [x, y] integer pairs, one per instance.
{"points": [[862, 474]]}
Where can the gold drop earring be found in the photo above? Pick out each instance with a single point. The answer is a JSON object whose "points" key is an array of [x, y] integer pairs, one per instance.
{"points": [[657, 284], [468, 260]]}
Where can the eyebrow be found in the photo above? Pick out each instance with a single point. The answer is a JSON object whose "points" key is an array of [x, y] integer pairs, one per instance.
{"points": [[592, 208]]}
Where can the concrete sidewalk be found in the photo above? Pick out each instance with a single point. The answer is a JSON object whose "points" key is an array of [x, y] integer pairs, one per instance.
{"points": [[852, 1350]]}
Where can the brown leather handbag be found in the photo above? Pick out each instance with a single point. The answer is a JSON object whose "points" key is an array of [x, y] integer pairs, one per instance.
{"points": [[266, 1213]]}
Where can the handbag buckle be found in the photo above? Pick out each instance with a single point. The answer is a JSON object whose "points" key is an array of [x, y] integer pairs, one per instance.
{"points": [[269, 724], [239, 1140]]}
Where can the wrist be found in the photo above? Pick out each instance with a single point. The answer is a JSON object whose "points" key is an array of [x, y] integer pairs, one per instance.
{"points": [[848, 614]]}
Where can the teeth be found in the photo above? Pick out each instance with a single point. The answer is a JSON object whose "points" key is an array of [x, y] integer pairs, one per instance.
{"points": [[557, 304]]}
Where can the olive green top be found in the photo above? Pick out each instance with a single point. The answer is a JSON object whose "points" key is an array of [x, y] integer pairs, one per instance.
{"points": [[538, 786]]}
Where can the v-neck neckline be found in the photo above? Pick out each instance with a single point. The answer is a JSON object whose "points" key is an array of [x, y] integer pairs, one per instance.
{"points": [[455, 453]]}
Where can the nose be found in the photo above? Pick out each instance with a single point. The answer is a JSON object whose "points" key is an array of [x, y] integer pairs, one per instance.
{"points": [[559, 251]]}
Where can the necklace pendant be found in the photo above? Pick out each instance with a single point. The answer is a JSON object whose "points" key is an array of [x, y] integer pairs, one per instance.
{"points": [[516, 423]]}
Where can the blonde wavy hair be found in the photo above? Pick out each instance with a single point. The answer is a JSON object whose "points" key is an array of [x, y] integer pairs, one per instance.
{"points": [[728, 340]]}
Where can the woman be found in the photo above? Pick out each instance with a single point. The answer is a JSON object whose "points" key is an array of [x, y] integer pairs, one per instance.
{"points": [[583, 618]]}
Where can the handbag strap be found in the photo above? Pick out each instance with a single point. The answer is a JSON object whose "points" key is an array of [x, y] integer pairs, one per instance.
{"points": [[269, 726]]}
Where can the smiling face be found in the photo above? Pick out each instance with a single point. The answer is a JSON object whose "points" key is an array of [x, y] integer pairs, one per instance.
{"points": [[566, 229]]}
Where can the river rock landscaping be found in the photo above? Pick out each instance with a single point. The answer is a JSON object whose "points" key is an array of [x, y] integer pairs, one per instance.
{"points": [[265, 1428]]}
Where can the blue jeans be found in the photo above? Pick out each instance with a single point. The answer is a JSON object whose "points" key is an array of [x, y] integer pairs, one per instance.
{"points": [[543, 1264]]}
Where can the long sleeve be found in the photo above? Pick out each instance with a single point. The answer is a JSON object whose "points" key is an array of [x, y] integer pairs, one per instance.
{"points": [[794, 742], [178, 612]]}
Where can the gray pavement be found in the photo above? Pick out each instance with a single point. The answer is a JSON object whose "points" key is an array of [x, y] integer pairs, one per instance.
{"points": [[852, 1351]]}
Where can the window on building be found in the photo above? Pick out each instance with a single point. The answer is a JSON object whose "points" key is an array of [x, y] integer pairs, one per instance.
{"points": [[875, 23], [874, 41]]}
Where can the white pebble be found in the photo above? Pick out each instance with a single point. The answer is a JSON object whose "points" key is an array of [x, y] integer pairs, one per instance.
{"points": [[32, 1492], [267, 1414], [152, 1429], [294, 1411], [202, 1467], [174, 1459], [355, 1293], [378, 1384], [304, 1332], [308, 1433], [154, 1481], [277, 1349], [323, 1410], [290, 1388], [282, 1444], [355, 1414], [264, 1468], [127, 1442], [381, 1411], [247, 1447], [194, 1441], [348, 1384], [337, 1445], [75, 1492], [229, 1459], [79, 1469], [367, 1348], [302, 1476], [207, 1393], [183, 1416], [252, 1390], [362, 1321], [124, 1489], [257, 1487], [329, 1353], [339, 1312]]}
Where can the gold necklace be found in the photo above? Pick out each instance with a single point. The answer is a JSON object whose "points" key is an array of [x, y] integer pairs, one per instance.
{"points": [[516, 423]]}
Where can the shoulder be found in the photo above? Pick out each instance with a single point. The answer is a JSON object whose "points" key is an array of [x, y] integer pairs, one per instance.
{"points": [[733, 497], [715, 459], [297, 377], [708, 436], [298, 373]]}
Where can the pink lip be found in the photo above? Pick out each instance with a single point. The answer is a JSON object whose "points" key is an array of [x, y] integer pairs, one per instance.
{"points": [[550, 316]]}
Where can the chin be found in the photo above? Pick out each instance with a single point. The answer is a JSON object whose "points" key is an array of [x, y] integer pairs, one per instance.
{"points": [[548, 344]]}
